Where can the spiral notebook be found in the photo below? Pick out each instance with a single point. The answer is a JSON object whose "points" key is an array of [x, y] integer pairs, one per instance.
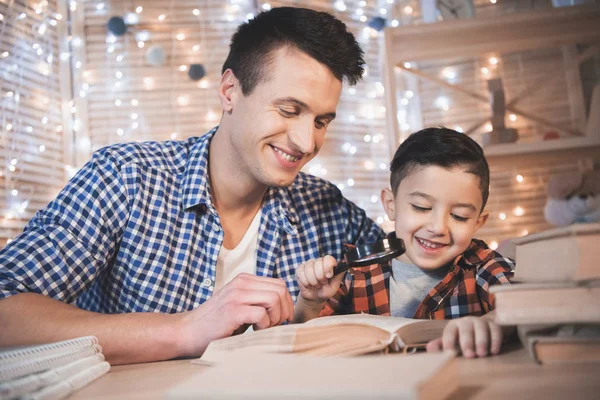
{"points": [[19, 362]]}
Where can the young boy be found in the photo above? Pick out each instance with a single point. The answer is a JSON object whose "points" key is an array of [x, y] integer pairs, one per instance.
{"points": [[439, 188]]}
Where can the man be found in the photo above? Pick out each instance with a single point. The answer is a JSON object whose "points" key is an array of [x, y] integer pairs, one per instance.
{"points": [[159, 248]]}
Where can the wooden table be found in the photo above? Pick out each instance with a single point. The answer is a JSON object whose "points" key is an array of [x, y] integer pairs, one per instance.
{"points": [[511, 375]]}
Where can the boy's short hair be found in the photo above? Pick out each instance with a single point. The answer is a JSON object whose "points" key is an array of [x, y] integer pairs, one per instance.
{"points": [[318, 34], [444, 148]]}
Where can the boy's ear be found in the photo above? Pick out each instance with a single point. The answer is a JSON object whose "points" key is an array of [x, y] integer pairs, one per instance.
{"points": [[389, 203], [227, 90], [483, 217]]}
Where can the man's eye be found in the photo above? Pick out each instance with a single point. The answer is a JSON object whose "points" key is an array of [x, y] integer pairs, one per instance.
{"points": [[287, 113], [321, 124]]}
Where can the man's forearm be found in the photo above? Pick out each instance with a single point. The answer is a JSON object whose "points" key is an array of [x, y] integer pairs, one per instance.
{"points": [[30, 318]]}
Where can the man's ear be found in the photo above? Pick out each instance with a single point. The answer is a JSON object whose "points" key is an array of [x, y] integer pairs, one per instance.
{"points": [[389, 204], [227, 90], [483, 217]]}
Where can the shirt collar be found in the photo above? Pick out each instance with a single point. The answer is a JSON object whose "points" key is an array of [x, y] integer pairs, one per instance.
{"points": [[195, 186], [477, 253], [277, 204]]}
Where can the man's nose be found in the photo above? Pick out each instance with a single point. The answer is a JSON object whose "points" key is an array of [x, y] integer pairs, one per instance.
{"points": [[302, 136]]}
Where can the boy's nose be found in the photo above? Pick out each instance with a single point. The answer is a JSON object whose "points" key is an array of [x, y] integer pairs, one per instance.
{"points": [[438, 226]]}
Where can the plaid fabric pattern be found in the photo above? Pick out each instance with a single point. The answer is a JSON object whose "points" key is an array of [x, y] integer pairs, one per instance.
{"points": [[136, 231], [463, 291]]}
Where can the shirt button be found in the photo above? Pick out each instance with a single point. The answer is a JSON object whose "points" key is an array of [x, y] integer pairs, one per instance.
{"points": [[207, 282]]}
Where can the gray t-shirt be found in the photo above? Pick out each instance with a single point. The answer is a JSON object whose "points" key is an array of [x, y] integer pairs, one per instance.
{"points": [[409, 285]]}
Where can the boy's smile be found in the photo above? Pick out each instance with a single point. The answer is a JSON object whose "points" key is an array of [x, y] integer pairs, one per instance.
{"points": [[436, 213]]}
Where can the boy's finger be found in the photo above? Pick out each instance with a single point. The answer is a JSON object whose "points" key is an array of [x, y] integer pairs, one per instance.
{"points": [[450, 337], [466, 339], [482, 337], [310, 275], [336, 281], [435, 345], [301, 275], [320, 272], [496, 337], [329, 264]]}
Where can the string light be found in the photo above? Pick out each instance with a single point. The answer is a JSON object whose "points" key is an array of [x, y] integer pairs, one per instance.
{"points": [[520, 178], [518, 211], [493, 245], [502, 216]]}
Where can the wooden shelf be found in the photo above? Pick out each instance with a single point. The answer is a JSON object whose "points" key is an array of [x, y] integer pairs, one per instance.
{"points": [[533, 152]]}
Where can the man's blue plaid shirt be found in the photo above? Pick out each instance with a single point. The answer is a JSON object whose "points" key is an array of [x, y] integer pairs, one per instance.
{"points": [[135, 230]]}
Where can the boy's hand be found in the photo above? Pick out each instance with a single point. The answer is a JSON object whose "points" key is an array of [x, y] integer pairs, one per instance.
{"points": [[316, 280], [475, 336]]}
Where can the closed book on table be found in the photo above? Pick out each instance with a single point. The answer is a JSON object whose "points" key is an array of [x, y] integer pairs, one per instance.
{"points": [[570, 253], [547, 303], [246, 374], [18, 362], [35, 382], [562, 344]]}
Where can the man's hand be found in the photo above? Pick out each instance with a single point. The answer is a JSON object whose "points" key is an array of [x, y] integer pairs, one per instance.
{"points": [[246, 300], [475, 336]]}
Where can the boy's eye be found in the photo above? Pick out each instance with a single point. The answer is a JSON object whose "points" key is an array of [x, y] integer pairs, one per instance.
{"points": [[459, 218], [419, 208]]}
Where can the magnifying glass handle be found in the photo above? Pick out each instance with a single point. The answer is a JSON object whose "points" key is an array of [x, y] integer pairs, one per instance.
{"points": [[341, 267]]}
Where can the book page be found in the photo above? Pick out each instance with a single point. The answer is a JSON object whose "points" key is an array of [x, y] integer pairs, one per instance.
{"points": [[390, 324]]}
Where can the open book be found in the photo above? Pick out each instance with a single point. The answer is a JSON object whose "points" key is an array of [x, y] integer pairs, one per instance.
{"points": [[343, 335]]}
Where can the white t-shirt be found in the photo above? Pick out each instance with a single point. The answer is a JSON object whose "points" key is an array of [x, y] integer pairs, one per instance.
{"points": [[242, 258]]}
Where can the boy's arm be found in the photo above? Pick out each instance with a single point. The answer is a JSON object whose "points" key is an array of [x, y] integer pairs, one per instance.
{"points": [[480, 336]]}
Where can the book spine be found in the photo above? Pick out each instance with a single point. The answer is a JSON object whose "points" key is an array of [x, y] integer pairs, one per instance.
{"points": [[32, 383], [17, 370], [64, 388], [16, 355]]}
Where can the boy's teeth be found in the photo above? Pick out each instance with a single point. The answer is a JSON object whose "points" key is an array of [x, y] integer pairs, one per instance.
{"points": [[429, 244], [287, 156]]}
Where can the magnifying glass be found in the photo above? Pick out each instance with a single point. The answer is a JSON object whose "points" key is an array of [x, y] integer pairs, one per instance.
{"points": [[373, 253]]}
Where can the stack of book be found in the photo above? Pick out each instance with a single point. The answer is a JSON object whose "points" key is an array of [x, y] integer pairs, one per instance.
{"points": [[50, 371], [555, 299]]}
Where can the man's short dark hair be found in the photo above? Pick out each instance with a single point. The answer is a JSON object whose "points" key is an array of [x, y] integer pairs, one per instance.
{"points": [[444, 148], [318, 34]]}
